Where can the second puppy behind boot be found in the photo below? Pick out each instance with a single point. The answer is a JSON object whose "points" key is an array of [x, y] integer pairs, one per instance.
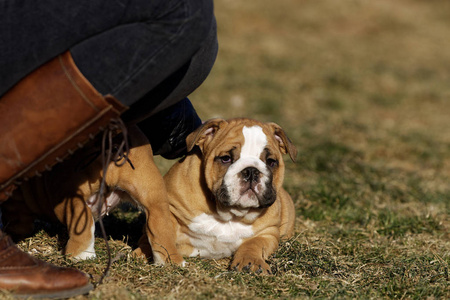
{"points": [[68, 194]]}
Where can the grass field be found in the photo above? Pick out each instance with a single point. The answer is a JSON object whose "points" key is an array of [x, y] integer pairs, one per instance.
{"points": [[363, 90]]}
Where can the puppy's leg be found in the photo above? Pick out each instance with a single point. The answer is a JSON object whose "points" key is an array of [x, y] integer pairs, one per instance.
{"points": [[159, 233], [252, 254], [144, 249], [146, 186], [77, 216]]}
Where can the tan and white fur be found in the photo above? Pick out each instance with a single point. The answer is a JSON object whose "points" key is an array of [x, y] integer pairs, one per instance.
{"points": [[69, 191], [226, 196]]}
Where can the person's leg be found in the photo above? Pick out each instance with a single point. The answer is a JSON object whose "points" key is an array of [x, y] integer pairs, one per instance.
{"points": [[171, 71], [33, 33], [174, 119], [124, 48], [150, 54], [139, 56], [168, 129]]}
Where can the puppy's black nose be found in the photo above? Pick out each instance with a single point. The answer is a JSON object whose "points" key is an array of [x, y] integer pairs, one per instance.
{"points": [[250, 174]]}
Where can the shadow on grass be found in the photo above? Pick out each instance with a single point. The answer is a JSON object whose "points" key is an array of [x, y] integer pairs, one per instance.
{"points": [[125, 223]]}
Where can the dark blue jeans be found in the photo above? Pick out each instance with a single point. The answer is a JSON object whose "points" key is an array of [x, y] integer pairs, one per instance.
{"points": [[149, 54]]}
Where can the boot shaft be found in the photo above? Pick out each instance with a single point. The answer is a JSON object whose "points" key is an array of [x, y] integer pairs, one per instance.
{"points": [[46, 117]]}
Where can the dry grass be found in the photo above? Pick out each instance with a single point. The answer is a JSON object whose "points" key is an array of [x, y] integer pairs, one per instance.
{"points": [[362, 88]]}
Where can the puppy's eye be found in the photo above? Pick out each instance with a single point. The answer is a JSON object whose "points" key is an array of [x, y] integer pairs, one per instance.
{"points": [[272, 163], [226, 159]]}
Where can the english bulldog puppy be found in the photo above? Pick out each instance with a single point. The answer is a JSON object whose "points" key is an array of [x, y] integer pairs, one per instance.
{"points": [[68, 194], [226, 196]]}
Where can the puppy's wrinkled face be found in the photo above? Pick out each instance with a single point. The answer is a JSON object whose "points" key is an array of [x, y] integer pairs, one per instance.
{"points": [[248, 168], [242, 164]]}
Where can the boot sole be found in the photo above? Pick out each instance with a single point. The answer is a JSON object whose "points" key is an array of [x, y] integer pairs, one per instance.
{"points": [[58, 294]]}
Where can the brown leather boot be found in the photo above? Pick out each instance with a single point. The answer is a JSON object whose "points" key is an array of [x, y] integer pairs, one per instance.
{"points": [[44, 118], [27, 276]]}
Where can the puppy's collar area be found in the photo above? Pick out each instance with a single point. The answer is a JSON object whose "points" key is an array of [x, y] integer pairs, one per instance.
{"points": [[238, 214]]}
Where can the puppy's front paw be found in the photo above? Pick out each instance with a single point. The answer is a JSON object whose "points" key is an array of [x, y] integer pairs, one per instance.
{"points": [[250, 264], [85, 255], [79, 251], [157, 258], [176, 259], [139, 253]]}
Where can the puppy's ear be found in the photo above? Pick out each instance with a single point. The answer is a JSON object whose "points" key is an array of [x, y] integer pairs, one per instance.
{"points": [[286, 146], [204, 134]]}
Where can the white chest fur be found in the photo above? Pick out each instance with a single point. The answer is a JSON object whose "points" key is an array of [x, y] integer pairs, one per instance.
{"points": [[212, 238]]}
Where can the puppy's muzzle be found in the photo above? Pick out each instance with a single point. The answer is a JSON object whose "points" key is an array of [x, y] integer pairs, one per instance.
{"points": [[250, 175]]}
